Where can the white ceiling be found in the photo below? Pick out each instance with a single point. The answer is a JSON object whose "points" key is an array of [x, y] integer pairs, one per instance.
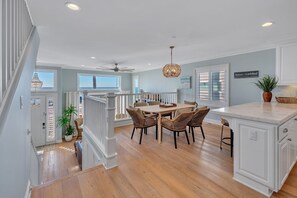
{"points": [[137, 32]]}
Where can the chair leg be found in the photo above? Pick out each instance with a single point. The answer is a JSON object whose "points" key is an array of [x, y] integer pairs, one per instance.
{"points": [[132, 133], [178, 134], [193, 133], [202, 132], [221, 137], [187, 137], [174, 134], [141, 132], [156, 132], [145, 131]]}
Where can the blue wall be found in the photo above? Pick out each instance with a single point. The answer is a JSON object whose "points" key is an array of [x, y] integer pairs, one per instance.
{"points": [[240, 90]]}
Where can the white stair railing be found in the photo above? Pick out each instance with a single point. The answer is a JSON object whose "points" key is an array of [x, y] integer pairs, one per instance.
{"points": [[99, 142], [16, 28], [123, 101]]}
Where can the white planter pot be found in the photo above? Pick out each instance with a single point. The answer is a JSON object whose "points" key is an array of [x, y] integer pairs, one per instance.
{"points": [[68, 138]]}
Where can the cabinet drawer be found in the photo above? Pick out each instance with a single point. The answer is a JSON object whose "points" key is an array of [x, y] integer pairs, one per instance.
{"points": [[283, 130]]}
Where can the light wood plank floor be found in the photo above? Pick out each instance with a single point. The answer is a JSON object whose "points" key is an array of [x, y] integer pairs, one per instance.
{"points": [[152, 170], [57, 161]]}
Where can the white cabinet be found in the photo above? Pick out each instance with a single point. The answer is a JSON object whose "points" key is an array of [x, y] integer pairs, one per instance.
{"points": [[283, 161], [287, 149], [286, 66]]}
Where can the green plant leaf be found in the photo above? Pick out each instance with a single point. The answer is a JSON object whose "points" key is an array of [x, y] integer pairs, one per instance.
{"points": [[267, 83]]}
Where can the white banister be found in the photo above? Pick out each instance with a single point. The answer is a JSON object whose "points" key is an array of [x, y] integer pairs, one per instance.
{"points": [[99, 142], [13, 54]]}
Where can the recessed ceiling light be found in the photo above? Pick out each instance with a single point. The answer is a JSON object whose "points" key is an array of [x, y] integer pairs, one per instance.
{"points": [[83, 65], [93, 57], [149, 64], [72, 6], [267, 24]]}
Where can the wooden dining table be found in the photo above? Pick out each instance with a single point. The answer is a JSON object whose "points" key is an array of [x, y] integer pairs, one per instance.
{"points": [[163, 110]]}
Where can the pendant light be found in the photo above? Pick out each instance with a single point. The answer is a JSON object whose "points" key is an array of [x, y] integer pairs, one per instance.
{"points": [[36, 82], [171, 70]]}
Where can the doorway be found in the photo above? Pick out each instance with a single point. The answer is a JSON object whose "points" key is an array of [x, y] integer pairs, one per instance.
{"points": [[43, 118]]}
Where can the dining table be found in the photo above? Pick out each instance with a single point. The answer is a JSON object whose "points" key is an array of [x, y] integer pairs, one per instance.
{"points": [[163, 109]]}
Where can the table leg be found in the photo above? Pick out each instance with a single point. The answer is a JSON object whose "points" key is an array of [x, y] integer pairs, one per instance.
{"points": [[159, 128]]}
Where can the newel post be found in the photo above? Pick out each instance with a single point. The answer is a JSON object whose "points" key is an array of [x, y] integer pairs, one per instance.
{"points": [[110, 139]]}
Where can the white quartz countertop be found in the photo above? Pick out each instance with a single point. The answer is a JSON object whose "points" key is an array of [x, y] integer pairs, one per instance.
{"points": [[274, 113]]}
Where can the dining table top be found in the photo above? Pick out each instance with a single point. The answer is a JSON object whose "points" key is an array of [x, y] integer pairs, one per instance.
{"points": [[158, 109]]}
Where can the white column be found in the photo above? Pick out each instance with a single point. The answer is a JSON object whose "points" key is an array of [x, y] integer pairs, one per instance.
{"points": [[110, 144]]}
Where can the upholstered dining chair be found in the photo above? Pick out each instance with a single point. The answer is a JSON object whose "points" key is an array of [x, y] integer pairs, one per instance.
{"points": [[179, 111], [140, 104], [197, 120], [178, 124], [78, 123], [141, 122], [157, 103], [191, 103]]}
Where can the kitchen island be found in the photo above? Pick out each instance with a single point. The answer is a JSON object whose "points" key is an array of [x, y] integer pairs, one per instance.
{"points": [[265, 143]]}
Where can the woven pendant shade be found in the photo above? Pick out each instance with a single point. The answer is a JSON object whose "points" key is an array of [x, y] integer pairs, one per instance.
{"points": [[36, 83], [171, 70]]}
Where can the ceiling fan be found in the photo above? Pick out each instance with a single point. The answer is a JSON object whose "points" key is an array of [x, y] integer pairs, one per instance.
{"points": [[115, 69]]}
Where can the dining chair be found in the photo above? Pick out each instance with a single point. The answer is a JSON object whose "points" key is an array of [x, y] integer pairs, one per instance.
{"points": [[140, 104], [191, 103], [78, 123], [225, 123], [197, 120], [178, 124], [157, 103], [141, 122]]}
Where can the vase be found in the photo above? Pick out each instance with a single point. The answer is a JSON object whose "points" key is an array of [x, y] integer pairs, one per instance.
{"points": [[68, 138], [267, 96]]}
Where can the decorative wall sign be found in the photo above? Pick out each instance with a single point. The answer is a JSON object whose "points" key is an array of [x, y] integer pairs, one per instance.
{"points": [[185, 82], [246, 74]]}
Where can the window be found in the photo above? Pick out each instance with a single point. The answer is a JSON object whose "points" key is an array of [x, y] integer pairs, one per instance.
{"points": [[136, 84], [212, 85], [98, 82], [48, 78]]}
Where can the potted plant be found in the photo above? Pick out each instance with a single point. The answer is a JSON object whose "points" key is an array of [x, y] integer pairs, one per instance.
{"points": [[64, 121], [267, 84]]}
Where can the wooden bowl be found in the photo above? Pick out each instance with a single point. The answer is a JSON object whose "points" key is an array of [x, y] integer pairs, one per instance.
{"points": [[291, 100]]}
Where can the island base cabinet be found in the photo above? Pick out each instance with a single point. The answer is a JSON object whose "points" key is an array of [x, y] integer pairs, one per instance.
{"points": [[283, 147], [254, 154]]}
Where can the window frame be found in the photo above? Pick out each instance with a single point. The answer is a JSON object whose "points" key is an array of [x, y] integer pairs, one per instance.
{"points": [[98, 75], [210, 69], [41, 89]]}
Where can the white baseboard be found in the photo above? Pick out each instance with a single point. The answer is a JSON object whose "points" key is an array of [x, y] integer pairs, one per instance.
{"points": [[124, 122], [28, 190], [59, 141]]}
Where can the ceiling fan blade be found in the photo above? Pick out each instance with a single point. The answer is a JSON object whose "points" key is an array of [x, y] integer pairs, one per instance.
{"points": [[127, 69], [104, 68]]}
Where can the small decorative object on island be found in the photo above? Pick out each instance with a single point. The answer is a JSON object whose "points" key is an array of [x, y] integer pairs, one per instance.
{"points": [[64, 121], [267, 84]]}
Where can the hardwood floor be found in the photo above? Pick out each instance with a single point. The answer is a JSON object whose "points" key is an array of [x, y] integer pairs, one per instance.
{"points": [[200, 169], [57, 161]]}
